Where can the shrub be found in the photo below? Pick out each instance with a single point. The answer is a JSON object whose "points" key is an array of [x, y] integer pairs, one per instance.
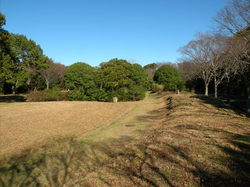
{"points": [[55, 94], [169, 76], [137, 93], [47, 95], [76, 95], [37, 96], [157, 88]]}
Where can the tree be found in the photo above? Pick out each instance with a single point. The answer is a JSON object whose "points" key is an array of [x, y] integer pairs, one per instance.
{"points": [[115, 74], [169, 76], [150, 69], [233, 21], [79, 76], [198, 52], [29, 61], [6, 56], [189, 71], [54, 73], [141, 77]]}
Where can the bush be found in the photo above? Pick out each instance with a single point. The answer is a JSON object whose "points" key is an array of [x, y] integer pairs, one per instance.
{"points": [[169, 76], [47, 95], [37, 96], [76, 95], [137, 93], [55, 94], [157, 88]]}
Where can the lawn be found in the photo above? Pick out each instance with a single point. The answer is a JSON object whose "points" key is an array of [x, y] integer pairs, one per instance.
{"points": [[28, 125], [176, 140]]}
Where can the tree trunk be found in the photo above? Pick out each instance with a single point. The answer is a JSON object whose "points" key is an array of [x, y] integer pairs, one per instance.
{"points": [[47, 85], [215, 87], [101, 86], [13, 89], [206, 88]]}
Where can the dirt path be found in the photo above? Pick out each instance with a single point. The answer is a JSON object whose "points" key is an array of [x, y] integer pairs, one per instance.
{"points": [[133, 123]]}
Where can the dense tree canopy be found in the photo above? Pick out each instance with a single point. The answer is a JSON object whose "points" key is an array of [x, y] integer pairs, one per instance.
{"points": [[79, 76], [168, 76]]}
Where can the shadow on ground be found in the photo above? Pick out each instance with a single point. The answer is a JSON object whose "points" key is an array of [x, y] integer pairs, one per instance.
{"points": [[219, 104], [173, 155], [12, 98]]}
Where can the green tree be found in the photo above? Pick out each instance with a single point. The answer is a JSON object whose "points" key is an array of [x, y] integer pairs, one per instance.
{"points": [[115, 74], [79, 77], [168, 76], [141, 77], [6, 57], [29, 63]]}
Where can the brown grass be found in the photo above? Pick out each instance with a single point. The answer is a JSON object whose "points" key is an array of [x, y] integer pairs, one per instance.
{"points": [[177, 140], [28, 125]]}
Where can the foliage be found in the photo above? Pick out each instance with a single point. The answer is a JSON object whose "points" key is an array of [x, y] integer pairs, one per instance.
{"points": [[157, 88], [53, 94], [79, 76], [168, 76], [122, 79]]}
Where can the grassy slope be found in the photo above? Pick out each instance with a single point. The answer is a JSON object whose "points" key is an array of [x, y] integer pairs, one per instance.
{"points": [[175, 142]]}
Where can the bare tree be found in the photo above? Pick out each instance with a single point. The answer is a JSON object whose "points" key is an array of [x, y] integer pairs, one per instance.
{"points": [[189, 71], [55, 72], [234, 21], [198, 52], [159, 64], [217, 46]]}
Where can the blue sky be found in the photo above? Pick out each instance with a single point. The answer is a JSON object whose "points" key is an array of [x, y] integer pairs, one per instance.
{"points": [[95, 31]]}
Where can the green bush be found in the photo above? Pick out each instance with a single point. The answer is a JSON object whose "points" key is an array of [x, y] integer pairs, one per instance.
{"points": [[168, 76], [76, 95], [157, 88], [137, 93], [47, 95]]}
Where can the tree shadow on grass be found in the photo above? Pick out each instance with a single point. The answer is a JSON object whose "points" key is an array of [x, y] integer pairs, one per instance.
{"points": [[152, 162], [12, 98], [219, 104]]}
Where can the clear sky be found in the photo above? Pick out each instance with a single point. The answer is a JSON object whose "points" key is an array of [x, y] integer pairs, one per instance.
{"points": [[95, 31]]}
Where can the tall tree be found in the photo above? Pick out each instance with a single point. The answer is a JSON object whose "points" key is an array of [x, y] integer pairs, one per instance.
{"points": [[29, 61], [198, 52], [234, 21], [6, 56]]}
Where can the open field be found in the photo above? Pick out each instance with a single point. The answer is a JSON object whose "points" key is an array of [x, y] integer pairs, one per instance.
{"points": [[177, 140], [25, 125]]}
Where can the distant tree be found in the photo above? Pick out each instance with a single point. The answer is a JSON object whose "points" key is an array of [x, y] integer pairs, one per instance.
{"points": [[79, 76], [53, 74], [141, 77], [150, 69], [198, 52], [168, 76], [115, 74]]}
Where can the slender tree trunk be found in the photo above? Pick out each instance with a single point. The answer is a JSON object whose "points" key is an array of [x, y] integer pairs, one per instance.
{"points": [[47, 85], [13, 89], [101, 86], [215, 87], [206, 88]]}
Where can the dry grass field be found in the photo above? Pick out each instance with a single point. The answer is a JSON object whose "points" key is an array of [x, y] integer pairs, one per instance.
{"points": [[177, 140], [25, 126]]}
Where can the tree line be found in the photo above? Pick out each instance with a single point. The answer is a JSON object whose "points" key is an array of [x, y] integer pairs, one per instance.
{"points": [[25, 69], [221, 56]]}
